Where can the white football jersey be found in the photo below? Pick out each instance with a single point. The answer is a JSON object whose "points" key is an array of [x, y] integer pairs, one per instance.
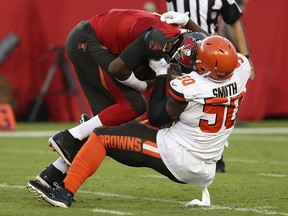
{"points": [[204, 126]]}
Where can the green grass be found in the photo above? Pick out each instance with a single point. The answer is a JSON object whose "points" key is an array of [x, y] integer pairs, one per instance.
{"points": [[255, 182]]}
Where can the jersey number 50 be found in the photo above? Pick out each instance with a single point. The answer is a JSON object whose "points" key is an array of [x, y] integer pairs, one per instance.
{"points": [[224, 109]]}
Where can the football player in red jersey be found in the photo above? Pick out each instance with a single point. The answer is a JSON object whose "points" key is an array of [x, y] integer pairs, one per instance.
{"points": [[110, 54]]}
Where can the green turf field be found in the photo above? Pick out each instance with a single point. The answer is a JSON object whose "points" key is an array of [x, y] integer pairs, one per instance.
{"points": [[255, 182]]}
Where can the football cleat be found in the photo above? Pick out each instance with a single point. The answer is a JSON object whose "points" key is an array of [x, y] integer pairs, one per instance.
{"points": [[58, 196], [220, 166], [50, 176], [65, 145]]}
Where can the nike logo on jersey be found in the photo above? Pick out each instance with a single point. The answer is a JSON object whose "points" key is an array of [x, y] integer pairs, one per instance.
{"points": [[225, 91]]}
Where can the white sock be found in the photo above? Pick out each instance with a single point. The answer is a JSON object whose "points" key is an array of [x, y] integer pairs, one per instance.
{"points": [[83, 130], [61, 165]]}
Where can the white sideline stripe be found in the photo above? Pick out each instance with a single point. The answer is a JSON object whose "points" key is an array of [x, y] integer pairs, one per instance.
{"points": [[28, 151], [27, 133], [280, 130], [232, 160], [261, 174], [110, 212], [264, 138], [260, 210], [273, 175], [155, 176], [256, 161]]}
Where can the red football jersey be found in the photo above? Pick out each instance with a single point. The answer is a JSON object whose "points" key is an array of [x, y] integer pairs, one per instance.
{"points": [[117, 28]]}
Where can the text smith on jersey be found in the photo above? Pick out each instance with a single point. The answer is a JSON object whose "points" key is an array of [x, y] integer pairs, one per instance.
{"points": [[225, 91]]}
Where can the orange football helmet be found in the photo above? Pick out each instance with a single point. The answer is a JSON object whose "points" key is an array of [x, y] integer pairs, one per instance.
{"points": [[215, 58]]}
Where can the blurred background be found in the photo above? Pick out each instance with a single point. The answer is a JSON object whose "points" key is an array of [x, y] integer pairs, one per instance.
{"points": [[35, 73]]}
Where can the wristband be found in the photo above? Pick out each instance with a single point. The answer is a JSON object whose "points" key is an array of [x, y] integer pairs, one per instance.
{"points": [[134, 83]]}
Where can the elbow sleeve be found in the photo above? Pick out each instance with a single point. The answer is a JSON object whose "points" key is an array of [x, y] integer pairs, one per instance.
{"points": [[158, 115]]}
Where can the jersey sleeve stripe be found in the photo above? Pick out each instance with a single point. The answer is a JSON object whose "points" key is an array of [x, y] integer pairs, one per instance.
{"points": [[176, 95], [150, 148], [102, 78]]}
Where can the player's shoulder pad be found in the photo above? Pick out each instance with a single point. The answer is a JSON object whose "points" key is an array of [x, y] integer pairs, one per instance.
{"points": [[244, 66], [157, 40], [178, 85]]}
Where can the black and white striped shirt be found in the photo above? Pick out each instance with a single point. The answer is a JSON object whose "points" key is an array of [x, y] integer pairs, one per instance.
{"points": [[206, 13]]}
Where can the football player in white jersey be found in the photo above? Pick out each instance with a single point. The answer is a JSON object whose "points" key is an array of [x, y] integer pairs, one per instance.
{"points": [[206, 13], [201, 109]]}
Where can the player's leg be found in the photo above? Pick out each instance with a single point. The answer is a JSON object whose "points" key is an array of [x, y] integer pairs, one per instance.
{"points": [[98, 98], [53, 174], [127, 103], [132, 144], [86, 161], [70, 146], [97, 87], [220, 165]]}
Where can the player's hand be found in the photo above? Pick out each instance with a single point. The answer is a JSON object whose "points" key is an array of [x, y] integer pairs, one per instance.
{"points": [[160, 67], [173, 17]]}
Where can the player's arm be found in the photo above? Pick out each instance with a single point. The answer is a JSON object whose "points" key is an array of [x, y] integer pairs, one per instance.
{"points": [[238, 35], [175, 108], [124, 74], [131, 57], [134, 55], [231, 14], [163, 110], [194, 27], [182, 19], [119, 69]]}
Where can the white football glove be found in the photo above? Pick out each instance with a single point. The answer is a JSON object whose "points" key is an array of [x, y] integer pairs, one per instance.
{"points": [[160, 67], [173, 17]]}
